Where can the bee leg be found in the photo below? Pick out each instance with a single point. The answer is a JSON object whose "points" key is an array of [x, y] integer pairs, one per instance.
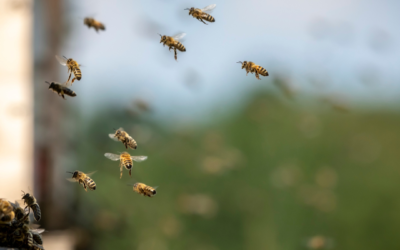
{"points": [[120, 169], [130, 172], [69, 76], [201, 20], [176, 55], [257, 75], [73, 80]]}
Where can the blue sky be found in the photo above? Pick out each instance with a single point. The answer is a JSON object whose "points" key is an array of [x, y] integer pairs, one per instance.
{"points": [[350, 45]]}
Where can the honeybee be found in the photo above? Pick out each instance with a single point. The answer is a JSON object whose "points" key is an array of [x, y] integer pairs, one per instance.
{"points": [[201, 15], [6, 212], [31, 203], [24, 234], [60, 89], [144, 189], [173, 42], [73, 67], [253, 68], [90, 22], [125, 160], [20, 215], [124, 137], [83, 179]]}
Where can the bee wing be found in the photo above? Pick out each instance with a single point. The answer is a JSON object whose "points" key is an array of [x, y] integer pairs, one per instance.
{"points": [[209, 8], [91, 173], [112, 157], [112, 136], [37, 231], [139, 158], [179, 36], [61, 60]]}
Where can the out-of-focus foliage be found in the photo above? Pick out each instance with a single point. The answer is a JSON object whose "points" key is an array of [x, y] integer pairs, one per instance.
{"points": [[272, 177]]}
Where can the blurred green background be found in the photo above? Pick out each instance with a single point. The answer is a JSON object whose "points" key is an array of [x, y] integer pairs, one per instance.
{"points": [[273, 176]]}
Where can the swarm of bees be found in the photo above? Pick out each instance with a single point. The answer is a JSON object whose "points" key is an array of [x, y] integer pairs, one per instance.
{"points": [[16, 230]]}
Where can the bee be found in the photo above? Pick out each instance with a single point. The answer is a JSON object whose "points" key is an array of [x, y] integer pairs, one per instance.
{"points": [[24, 234], [20, 215], [90, 22], [124, 137], [173, 42], [31, 203], [60, 89], [6, 212], [201, 15], [253, 68], [125, 160], [73, 67], [144, 189], [83, 179]]}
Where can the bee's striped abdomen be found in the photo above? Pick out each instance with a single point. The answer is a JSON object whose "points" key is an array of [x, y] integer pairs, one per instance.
{"points": [[77, 73], [90, 183], [36, 212], [262, 71], [128, 163], [29, 239], [69, 92], [180, 46], [209, 18], [37, 238]]}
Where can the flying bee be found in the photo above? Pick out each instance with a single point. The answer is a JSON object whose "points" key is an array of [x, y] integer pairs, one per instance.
{"points": [[124, 137], [126, 160], [144, 189], [90, 22], [31, 203], [73, 67], [83, 179], [254, 68], [6, 212], [201, 15], [60, 89], [173, 43]]}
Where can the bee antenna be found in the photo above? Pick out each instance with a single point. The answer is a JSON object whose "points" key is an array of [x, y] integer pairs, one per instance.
{"points": [[159, 34], [47, 82], [239, 62], [187, 9], [70, 172]]}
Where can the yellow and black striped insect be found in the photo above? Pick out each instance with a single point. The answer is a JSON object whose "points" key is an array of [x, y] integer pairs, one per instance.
{"points": [[91, 22], [31, 203], [144, 189], [201, 15], [73, 67], [124, 137], [83, 179], [7, 213], [173, 43], [60, 89], [254, 68], [126, 160]]}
